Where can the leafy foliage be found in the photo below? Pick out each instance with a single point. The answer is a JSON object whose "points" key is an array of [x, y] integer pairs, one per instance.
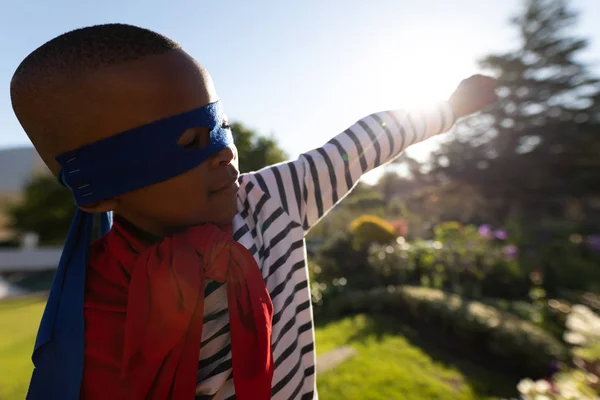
{"points": [[47, 209], [582, 381], [461, 260], [254, 150], [519, 345], [536, 149], [369, 229], [338, 258]]}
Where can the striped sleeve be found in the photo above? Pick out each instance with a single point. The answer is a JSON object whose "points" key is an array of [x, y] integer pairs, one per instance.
{"points": [[311, 185]]}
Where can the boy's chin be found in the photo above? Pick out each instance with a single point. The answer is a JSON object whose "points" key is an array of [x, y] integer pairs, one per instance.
{"points": [[224, 215], [227, 218]]}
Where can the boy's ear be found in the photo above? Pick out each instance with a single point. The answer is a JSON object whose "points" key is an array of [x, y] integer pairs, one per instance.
{"points": [[101, 206]]}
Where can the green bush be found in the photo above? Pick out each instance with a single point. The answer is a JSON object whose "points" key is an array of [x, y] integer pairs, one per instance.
{"points": [[454, 233], [466, 267], [549, 315], [392, 266], [517, 345], [338, 258], [343, 256], [558, 249], [370, 200], [323, 285]]}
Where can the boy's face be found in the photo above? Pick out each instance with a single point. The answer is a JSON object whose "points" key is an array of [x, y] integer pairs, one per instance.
{"points": [[147, 90]]}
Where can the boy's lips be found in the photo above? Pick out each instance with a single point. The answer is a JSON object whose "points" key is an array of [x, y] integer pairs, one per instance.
{"points": [[230, 184]]}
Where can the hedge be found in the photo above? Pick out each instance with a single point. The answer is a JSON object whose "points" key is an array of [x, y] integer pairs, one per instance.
{"points": [[519, 345]]}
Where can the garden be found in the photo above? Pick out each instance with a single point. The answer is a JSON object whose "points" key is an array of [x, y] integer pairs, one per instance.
{"points": [[519, 311]]}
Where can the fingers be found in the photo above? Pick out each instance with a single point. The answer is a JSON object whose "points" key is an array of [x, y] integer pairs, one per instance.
{"points": [[473, 94], [480, 82]]}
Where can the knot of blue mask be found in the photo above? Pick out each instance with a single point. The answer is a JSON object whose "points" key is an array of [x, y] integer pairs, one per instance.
{"points": [[119, 164]]}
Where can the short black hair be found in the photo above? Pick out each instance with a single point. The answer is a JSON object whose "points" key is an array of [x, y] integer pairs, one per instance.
{"points": [[37, 89], [90, 48]]}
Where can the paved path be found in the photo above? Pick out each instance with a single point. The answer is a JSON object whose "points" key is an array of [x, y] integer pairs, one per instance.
{"points": [[334, 358]]}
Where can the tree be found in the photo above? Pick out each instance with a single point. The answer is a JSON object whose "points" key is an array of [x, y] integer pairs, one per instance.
{"points": [[537, 147], [394, 186], [255, 151], [47, 208]]}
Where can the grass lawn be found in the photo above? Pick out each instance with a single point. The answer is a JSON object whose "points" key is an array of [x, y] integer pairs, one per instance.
{"points": [[392, 362], [19, 320]]}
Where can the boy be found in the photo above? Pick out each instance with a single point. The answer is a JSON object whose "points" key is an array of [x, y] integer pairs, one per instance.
{"points": [[200, 288]]}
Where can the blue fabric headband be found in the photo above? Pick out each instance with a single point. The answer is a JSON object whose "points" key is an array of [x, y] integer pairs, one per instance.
{"points": [[131, 160], [141, 156]]}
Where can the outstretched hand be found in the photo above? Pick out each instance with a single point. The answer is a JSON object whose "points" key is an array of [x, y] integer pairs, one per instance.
{"points": [[472, 95]]}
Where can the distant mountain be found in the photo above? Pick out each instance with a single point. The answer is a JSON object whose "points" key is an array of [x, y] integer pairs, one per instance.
{"points": [[17, 165]]}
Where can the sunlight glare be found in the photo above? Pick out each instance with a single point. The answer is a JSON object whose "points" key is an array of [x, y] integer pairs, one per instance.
{"points": [[420, 76]]}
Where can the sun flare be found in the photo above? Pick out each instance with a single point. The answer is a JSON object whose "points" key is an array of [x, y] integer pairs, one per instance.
{"points": [[418, 78]]}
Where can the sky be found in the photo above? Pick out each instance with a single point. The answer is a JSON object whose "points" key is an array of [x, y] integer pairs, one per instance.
{"points": [[301, 71]]}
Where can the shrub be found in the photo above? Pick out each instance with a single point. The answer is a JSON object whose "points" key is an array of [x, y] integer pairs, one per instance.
{"points": [[583, 381], [454, 232], [561, 251], [549, 315], [583, 331], [461, 265], [344, 256], [338, 257], [519, 345], [370, 200], [323, 287], [369, 229], [570, 384], [392, 266]]}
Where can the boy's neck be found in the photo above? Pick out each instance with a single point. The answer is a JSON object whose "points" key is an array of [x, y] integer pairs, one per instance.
{"points": [[152, 238], [137, 232]]}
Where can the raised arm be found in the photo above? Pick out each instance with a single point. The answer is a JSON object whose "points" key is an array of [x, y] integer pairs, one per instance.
{"points": [[311, 185]]}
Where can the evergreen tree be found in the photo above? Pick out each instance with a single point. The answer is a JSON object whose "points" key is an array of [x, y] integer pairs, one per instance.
{"points": [[538, 146]]}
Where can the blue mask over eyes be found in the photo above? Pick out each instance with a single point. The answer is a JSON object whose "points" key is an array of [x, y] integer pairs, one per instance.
{"points": [[141, 157], [119, 164]]}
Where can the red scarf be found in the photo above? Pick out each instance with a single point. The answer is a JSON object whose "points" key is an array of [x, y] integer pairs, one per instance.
{"points": [[144, 307]]}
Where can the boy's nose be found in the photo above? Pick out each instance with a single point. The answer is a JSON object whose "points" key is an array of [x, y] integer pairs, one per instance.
{"points": [[223, 157]]}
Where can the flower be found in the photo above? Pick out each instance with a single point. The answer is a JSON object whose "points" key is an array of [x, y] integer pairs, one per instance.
{"points": [[526, 386], [583, 325], [510, 251], [542, 386], [554, 368], [485, 231], [574, 338], [576, 238], [400, 227], [593, 241], [501, 234], [536, 276]]}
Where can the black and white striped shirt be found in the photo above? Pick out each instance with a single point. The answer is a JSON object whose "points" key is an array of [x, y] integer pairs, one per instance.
{"points": [[276, 207]]}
